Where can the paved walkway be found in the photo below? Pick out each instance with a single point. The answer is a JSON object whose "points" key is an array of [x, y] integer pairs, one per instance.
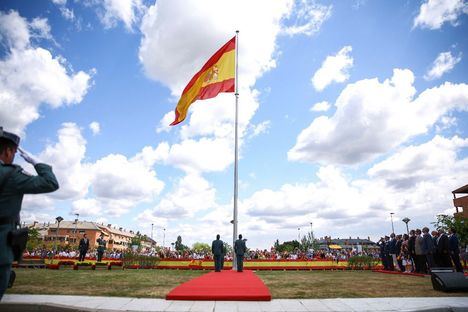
{"points": [[83, 303]]}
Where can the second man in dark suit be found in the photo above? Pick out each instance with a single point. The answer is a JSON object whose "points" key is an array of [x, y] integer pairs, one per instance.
{"points": [[217, 250], [240, 249], [84, 246]]}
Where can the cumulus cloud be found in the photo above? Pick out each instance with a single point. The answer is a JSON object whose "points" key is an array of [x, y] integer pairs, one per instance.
{"points": [[425, 162], [66, 156], [191, 194], [335, 68], [373, 117], [95, 127], [112, 185], [444, 63], [125, 11], [31, 76], [86, 207], [416, 182], [321, 107], [306, 17], [434, 13]]}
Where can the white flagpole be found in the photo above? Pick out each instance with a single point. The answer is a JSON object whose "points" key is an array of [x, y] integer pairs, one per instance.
{"points": [[236, 82]]}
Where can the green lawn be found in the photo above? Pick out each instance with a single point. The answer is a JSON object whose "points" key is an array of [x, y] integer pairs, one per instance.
{"points": [[282, 284]]}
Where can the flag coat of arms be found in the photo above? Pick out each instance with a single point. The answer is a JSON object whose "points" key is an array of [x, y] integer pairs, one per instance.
{"points": [[216, 76]]}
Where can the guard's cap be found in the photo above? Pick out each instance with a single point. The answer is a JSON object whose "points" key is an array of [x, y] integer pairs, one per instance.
{"points": [[9, 136]]}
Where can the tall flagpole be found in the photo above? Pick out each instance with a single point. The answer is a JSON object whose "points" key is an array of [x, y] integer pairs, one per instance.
{"points": [[236, 81]]}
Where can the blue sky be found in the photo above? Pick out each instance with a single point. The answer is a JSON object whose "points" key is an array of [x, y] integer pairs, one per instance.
{"points": [[349, 110]]}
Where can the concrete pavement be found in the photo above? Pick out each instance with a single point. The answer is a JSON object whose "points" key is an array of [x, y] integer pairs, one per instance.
{"points": [[54, 303]]}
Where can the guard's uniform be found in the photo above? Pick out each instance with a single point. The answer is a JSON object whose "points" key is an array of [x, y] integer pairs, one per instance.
{"points": [[18, 184], [101, 248]]}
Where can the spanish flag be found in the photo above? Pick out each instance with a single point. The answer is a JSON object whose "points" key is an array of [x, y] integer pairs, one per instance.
{"points": [[216, 76]]}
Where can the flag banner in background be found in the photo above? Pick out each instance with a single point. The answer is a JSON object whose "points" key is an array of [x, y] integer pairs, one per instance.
{"points": [[216, 76]]}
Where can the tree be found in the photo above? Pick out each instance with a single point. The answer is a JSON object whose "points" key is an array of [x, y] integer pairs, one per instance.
{"points": [[201, 247], [460, 224], [288, 246], [309, 242], [34, 239]]}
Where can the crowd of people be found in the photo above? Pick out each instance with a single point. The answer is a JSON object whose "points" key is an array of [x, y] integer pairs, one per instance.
{"points": [[420, 251]]}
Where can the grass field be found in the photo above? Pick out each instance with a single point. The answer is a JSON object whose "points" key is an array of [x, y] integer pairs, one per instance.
{"points": [[282, 284]]}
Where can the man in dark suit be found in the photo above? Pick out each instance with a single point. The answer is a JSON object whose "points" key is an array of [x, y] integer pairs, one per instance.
{"points": [[428, 248], [454, 249], [217, 250], [83, 247], [435, 240], [443, 250], [411, 249], [240, 249], [392, 250]]}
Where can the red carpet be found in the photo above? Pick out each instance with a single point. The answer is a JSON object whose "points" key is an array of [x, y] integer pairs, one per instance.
{"points": [[225, 285]]}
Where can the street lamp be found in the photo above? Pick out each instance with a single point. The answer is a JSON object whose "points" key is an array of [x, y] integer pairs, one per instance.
{"points": [[164, 237], [299, 234], [59, 219], [152, 231], [391, 217], [76, 223], [406, 220]]}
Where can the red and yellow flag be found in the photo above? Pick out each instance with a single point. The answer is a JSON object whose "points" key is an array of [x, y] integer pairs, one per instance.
{"points": [[216, 76]]}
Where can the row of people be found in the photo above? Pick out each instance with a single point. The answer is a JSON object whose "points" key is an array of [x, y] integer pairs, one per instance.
{"points": [[420, 251]]}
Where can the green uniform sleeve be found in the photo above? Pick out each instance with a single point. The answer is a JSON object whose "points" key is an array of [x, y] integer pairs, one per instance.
{"points": [[44, 182]]}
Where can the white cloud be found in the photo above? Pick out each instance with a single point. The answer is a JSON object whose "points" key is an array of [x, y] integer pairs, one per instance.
{"points": [[434, 13], [31, 77], [60, 2], [321, 107], [126, 11], [425, 162], [306, 18], [86, 207], [191, 194], [416, 182], [335, 68], [372, 118], [95, 127], [66, 157], [260, 128], [444, 63]]}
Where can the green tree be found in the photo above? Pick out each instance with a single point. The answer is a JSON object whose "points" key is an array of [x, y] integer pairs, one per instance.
{"points": [[289, 246], [34, 239], [460, 224], [201, 247], [309, 242]]}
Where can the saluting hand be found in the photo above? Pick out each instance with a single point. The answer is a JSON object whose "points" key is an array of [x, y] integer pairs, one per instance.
{"points": [[28, 158]]}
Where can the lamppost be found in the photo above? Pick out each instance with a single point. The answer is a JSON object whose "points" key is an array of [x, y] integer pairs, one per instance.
{"points": [[391, 217], [164, 237], [299, 234], [152, 231], [59, 219], [406, 220], [76, 223]]}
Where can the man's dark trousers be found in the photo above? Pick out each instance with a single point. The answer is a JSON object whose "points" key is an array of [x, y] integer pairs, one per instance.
{"points": [[218, 262], [99, 255], [82, 255], [4, 278], [240, 263]]}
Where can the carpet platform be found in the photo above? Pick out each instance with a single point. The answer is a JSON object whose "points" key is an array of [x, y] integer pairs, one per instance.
{"points": [[226, 286]]}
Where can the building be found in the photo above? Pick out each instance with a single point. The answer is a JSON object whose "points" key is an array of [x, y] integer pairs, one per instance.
{"points": [[346, 243], [118, 239], [461, 202], [70, 232]]}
